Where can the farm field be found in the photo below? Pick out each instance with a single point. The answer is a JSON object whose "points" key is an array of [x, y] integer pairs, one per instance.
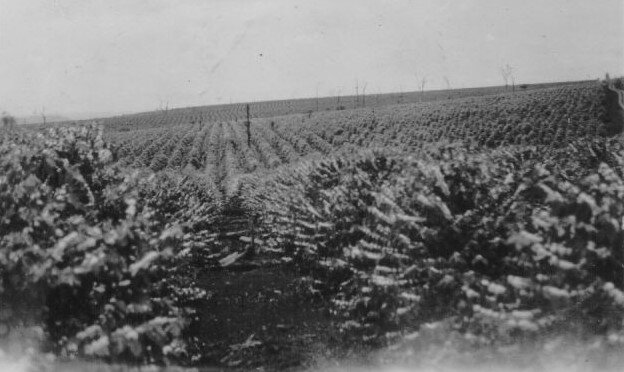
{"points": [[455, 223], [551, 116], [236, 112]]}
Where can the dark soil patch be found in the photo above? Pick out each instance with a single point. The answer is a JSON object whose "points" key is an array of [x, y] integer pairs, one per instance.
{"points": [[263, 317]]}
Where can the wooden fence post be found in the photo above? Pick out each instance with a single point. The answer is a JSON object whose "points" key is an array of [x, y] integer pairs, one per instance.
{"points": [[248, 124]]}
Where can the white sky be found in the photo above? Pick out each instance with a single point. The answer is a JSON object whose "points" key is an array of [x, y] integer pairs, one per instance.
{"points": [[108, 56]]}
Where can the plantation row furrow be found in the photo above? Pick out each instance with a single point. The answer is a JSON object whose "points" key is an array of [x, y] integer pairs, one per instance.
{"points": [[299, 141], [232, 164], [138, 144], [213, 153], [267, 154], [162, 157], [247, 157], [183, 147], [317, 142], [196, 156], [550, 116], [158, 140], [283, 149]]}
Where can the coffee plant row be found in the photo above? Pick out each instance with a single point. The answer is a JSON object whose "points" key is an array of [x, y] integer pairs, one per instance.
{"points": [[506, 245], [500, 215], [552, 116], [166, 117], [96, 260]]}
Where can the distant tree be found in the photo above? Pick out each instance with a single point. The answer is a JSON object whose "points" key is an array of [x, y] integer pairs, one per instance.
{"points": [[364, 94], [317, 97], [508, 76], [448, 86], [163, 106], [423, 81]]}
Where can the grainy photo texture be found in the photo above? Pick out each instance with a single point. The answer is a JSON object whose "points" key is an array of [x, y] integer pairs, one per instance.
{"points": [[299, 185]]}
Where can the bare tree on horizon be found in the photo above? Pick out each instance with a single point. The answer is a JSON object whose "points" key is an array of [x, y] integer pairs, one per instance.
{"points": [[507, 74], [364, 94]]}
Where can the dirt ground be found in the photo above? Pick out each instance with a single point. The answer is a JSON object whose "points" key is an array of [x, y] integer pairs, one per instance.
{"points": [[263, 318]]}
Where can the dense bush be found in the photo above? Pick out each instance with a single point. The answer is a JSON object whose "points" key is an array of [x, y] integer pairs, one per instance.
{"points": [[84, 255], [505, 244]]}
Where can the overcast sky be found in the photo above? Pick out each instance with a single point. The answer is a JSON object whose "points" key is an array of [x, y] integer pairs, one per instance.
{"points": [[109, 56]]}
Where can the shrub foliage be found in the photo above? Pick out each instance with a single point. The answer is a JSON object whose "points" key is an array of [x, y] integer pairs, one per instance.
{"points": [[503, 243], [517, 231], [85, 252]]}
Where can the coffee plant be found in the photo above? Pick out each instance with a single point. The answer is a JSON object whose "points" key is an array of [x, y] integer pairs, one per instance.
{"points": [[85, 256], [504, 243]]}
